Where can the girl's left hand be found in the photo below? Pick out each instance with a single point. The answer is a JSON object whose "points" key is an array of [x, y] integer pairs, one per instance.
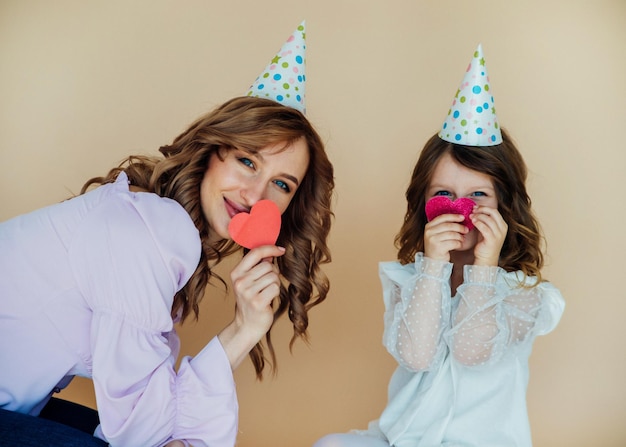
{"points": [[492, 232]]}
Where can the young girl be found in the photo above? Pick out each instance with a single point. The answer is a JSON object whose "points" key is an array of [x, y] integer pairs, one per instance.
{"points": [[463, 306], [93, 286]]}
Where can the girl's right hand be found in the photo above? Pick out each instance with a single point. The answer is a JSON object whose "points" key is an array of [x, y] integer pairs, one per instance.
{"points": [[256, 282], [442, 235]]}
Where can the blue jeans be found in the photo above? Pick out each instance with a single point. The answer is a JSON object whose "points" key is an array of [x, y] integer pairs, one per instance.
{"points": [[30, 431]]}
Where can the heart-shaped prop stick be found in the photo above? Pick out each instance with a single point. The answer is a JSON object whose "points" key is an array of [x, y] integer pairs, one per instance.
{"points": [[260, 227], [439, 205]]}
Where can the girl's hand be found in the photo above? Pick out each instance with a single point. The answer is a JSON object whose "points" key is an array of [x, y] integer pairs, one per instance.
{"points": [[493, 230], [256, 283], [442, 235]]}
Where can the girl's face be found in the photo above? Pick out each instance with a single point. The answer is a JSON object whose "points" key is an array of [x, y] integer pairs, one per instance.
{"points": [[232, 185], [453, 180]]}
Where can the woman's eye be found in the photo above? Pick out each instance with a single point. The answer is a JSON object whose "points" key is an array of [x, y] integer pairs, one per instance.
{"points": [[247, 162], [282, 185]]}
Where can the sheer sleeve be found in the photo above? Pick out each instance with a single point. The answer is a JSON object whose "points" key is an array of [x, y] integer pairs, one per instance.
{"points": [[417, 311], [498, 310], [133, 254]]}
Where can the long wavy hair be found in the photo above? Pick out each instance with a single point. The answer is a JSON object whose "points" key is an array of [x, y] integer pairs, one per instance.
{"points": [[248, 124], [522, 248]]}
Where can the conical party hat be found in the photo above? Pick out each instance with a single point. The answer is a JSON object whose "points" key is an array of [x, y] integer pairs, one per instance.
{"points": [[472, 119], [284, 78]]}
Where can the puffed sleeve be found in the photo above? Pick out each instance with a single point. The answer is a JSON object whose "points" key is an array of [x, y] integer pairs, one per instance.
{"points": [[417, 311], [134, 252], [498, 312]]}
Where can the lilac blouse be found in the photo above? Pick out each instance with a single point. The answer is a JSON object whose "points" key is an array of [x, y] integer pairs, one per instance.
{"points": [[86, 288]]}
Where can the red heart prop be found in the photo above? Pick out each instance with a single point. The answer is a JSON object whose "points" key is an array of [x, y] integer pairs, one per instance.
{"points": [[439, 205], [260, 227]]}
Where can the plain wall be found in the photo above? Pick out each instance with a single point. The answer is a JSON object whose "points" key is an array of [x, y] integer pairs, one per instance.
{"points": [[83, 84]]}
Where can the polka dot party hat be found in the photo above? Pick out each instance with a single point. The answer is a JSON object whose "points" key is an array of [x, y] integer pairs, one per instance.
{"points": [[283, 80], [472, 120]]}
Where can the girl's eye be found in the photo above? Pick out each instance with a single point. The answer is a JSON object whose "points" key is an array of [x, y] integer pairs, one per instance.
{"points": [[247, 162], [443, 193], [479, 194], [284, 186]]}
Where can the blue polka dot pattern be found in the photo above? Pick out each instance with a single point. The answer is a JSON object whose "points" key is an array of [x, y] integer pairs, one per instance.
{"points": [[284, 78], [472, 119]]}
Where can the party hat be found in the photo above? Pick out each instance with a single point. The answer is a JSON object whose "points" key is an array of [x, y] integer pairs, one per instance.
{"points": [[284, 78], [472, 120]]}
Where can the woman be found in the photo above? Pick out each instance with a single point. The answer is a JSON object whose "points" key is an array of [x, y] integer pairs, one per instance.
{"points": [[93, 286]]}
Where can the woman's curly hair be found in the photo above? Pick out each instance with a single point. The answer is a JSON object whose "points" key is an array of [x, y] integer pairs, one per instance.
{"points": [[522, 249], [247, 124]]}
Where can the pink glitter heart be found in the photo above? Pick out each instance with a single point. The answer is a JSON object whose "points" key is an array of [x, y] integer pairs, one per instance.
{"points": [[439, 205]]}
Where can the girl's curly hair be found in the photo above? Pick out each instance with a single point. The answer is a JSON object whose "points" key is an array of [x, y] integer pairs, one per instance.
{"points": [[522, 249]]}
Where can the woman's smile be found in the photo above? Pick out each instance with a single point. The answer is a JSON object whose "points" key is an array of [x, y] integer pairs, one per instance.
{"points": [[236, 179]]}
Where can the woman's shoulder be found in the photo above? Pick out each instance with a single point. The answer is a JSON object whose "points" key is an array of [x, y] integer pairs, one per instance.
{"points": [[132, 247], [139, 217], [161, 215]]}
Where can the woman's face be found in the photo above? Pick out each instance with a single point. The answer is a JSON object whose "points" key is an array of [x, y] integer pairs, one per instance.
{"points": [[232, 185], [452, 179]]}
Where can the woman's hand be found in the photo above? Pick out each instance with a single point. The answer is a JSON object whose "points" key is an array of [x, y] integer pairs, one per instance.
{"points": [[256, 283], [493, 229], [442, 235]]}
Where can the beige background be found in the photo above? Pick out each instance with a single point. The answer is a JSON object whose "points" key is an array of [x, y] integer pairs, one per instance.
{"points": [[82, 84]]}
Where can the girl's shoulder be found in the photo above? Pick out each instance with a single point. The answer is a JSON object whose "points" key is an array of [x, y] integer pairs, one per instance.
{"points": [[518, 279], [549, 301]]}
